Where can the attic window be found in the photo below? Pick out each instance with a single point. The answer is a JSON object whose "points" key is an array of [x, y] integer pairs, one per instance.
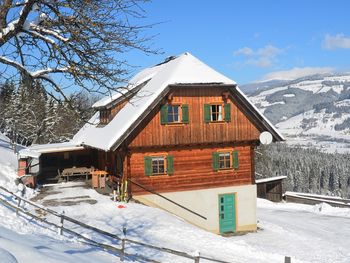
{"points": [[172, 114], [217, 112], [105, 116]]}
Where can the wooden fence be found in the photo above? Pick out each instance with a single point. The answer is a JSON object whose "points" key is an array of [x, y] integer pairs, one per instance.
{"points": [[120, 251]]}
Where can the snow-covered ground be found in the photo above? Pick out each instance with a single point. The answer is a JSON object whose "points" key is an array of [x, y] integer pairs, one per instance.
{"points": [[305, 233]]}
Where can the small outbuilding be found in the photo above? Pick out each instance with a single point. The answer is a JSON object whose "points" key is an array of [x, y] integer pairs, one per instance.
{"points": [[270, 188]]}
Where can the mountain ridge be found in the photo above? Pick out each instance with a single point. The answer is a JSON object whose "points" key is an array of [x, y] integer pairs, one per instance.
{"points": [[312, 110]]}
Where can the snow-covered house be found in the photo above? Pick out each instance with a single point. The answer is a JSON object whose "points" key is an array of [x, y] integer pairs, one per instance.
{"points": [[183, 136]]}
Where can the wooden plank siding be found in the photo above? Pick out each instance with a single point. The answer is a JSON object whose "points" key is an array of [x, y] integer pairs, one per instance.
{"points": [[151, 133], [192, 170]]}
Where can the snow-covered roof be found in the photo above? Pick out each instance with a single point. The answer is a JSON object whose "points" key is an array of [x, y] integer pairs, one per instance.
{"points": [[36, 150], [270, 179], [182, 70]]}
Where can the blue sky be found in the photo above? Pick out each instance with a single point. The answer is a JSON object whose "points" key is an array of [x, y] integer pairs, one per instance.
{"points": [[253, 40]]}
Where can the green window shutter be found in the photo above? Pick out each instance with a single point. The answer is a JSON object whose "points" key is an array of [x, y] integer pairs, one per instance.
{"points": [[170, 164], [164, 114], [215, 160], [185, 113], [227, 109], [148, 165], [206, 112], [235, 159]]}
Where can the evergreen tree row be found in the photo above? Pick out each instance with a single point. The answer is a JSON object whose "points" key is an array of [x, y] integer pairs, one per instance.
{"points": [[28, 116], [307, 170]]}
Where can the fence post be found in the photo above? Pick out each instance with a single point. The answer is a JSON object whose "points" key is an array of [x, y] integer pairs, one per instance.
{"points": [[18, 205], [60, 229], [197, 257], [287, 259], [122, 253]]}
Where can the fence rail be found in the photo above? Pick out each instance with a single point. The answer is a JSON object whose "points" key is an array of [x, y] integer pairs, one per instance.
{"points": [[121, 251]]}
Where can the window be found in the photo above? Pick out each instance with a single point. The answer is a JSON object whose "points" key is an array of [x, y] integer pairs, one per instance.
{"points": [[158, 165], [104, 116], [170, 114], [225, 160], [217, 112], [173, 113]]}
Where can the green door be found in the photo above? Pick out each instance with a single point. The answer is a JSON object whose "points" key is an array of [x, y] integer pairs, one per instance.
{"points": [[227, 213]]}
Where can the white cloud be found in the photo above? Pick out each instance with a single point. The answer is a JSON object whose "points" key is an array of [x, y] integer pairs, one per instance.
{"points": [[262, 62], [295, 73], [245, 51], [264, 57], [269, 51], [335, 42]]}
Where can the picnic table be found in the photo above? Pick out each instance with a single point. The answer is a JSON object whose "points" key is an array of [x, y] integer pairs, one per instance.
{"points": [[76, 172]]}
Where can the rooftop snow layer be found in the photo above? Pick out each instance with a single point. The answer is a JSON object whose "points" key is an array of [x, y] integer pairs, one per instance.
{"points": [[36, 150], [269, 179], [184, 69]]}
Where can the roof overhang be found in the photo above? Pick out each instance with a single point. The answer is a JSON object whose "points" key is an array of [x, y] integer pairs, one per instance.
{"points": [[37, 150], [270, 179]]}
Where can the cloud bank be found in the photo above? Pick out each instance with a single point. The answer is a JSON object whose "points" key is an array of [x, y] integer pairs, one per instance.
{"points": [[296, 72], [339, 41]]}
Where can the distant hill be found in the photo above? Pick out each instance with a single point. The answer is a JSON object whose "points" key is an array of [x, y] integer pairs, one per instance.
{"points": [[313, 110]]}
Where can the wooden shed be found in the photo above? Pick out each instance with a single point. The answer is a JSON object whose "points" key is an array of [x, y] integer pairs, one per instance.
{"points": [[270, 188]]}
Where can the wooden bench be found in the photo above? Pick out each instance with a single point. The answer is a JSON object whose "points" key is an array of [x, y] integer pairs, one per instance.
{"points": [[76, 172]]}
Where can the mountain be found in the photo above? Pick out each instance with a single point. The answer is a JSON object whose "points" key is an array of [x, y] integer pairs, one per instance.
{"points": [[313, 110]]}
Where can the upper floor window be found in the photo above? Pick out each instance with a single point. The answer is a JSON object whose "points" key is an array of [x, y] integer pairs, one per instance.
{"points": [[174, 113], [217, 112], [158, 165], [225, 160]]}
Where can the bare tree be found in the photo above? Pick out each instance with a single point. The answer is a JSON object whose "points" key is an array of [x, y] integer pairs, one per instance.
{"points": [[73, 44]]}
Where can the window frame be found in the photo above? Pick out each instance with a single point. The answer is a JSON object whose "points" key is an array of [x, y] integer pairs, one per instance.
{"points": [[225, 116], [229, 153], [179, 114], [164, 157], [105, 116], [234, 159], [168, 163], [164, 120], [218, 112]]}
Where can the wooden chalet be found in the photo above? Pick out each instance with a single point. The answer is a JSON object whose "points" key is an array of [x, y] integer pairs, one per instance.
{"points": [[180, 136]]}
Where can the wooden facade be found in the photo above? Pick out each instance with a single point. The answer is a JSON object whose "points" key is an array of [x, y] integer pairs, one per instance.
{"points": [[192, 169], [190, 144], [151, 133]]}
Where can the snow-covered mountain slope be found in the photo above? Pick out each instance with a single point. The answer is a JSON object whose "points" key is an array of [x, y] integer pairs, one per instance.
{"points": [[311, 110]]}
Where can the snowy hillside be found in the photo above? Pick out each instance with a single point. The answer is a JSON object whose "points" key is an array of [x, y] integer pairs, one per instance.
{"points": [[305, 233], [310, 110]]}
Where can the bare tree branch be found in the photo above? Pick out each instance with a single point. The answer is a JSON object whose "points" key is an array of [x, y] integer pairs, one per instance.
{"points": [[75, 40]]}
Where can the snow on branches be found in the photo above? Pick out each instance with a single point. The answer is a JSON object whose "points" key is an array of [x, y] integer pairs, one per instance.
{"points": [[65, 43]]}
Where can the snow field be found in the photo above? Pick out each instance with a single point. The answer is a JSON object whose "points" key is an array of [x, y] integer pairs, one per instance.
{"points": [[305, 233]]}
